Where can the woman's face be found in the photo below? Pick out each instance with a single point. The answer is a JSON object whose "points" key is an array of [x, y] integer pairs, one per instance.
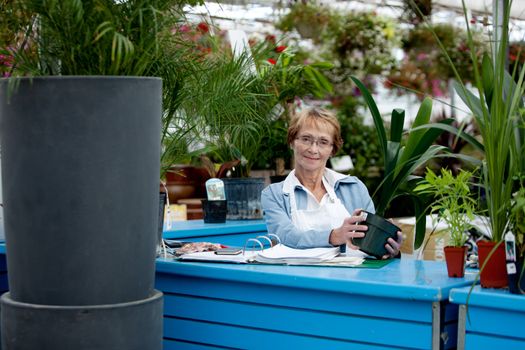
{"points": [[312, 147]]}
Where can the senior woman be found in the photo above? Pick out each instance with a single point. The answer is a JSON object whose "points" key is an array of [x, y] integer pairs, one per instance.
{"points": [[312, 206]]}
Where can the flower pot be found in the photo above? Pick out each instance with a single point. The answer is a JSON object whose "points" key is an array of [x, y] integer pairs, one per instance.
{"points": [[455, 258], [134, 325], [379, 231], [244, 197], [80, 174], [494, 274], [186, 181], [214, 211]]}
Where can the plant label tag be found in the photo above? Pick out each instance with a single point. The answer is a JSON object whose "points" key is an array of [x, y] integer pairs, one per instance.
{"points": [[215, 190], [510, 247], [511, 268]]}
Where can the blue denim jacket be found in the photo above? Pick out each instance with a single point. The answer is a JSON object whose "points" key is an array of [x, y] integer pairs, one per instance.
{"points": [[276, 206]]}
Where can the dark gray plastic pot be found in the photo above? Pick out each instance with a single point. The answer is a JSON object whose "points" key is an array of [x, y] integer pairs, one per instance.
{"points": [[80, 174], [244, 197], [131, 326], [379, 230]]}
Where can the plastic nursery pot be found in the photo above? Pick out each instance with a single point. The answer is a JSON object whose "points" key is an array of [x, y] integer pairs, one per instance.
{"points": [[494, 274], [379, 230], [214, 211], [244, 197], [455, 258]]}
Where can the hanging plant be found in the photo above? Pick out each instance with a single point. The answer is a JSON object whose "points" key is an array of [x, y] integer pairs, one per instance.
{"points": [[363, 42], [425, 69], [307, 18]]}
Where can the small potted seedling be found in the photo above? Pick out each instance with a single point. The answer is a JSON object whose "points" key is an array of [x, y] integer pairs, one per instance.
{"points": [[454, 206]]}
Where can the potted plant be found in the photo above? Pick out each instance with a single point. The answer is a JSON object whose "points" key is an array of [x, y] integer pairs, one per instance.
{"points": [[454, 206], [497, 111], [237, 125], [497, 114], [424, 69], [403, 156], [309, 19], [83, 108]]}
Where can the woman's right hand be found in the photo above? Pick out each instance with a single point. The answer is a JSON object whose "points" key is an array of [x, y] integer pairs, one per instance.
{"points": [[348, 230]]}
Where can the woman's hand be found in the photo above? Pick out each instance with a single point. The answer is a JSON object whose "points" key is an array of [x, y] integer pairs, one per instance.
{"points": [[348, 230], [393, 246]]}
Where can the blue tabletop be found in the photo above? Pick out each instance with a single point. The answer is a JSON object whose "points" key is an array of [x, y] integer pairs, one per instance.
{"points": [[402, 278], [192, 227], [488, 297]]}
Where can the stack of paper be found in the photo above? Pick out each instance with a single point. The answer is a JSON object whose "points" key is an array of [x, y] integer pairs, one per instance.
{"points": [[242, 258], [281, 254]]}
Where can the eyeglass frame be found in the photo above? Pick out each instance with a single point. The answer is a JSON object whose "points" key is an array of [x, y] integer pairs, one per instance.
{"points": [[308, 141]]}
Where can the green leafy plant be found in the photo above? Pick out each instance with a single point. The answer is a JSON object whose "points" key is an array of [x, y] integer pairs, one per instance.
{"points": [[497, 109], [403, 157], [453, 202], [497, 113], [233, 107], [107, 37]]}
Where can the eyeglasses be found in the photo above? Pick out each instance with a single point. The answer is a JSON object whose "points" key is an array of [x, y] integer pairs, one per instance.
{"points": [[309, 141]]}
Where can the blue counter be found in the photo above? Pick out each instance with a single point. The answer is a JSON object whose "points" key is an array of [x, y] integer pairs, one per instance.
{"points": [[210, 306], [403, 304], [233, 232], [494, 320]]}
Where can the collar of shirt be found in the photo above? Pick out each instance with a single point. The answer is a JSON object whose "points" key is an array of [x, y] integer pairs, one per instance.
{"points": [[330, 178]]}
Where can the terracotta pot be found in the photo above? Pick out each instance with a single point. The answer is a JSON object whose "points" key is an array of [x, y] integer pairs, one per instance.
{"points": [[455, 258], [186, 181], [494, 274]]}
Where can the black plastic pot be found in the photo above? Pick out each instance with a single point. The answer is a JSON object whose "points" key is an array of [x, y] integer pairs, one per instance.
{"points": [[214, 211], [379, 230]]}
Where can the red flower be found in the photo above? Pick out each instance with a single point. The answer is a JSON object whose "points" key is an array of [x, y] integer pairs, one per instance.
{"points": [[203, 28], [280, 48], [272, 61], [473, 20], [512, 57]]}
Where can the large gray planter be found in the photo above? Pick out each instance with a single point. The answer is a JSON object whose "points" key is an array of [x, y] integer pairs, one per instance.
{"points": [[80, 175], [125, 326]]}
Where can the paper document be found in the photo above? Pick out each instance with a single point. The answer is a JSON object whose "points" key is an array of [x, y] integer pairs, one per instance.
{"points": [[281, 255], [241, 258]]}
